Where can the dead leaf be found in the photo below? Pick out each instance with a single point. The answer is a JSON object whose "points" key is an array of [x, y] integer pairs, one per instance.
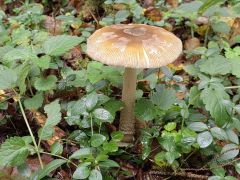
{"points": [[41, 119], [53, 25], [173, 3], [234, 31], [153, 14], [191, 43]]}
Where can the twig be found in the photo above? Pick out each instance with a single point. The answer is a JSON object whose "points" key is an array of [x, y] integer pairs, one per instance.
{"points": [[181, 174]]}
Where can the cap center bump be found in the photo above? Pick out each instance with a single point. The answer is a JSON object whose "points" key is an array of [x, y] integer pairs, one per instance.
{"points": [[135, 31]]}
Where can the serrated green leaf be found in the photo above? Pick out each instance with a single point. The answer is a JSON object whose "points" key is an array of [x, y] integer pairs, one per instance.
{"points": [[145, 110], [213, 100], [164, 99], [13, 152], [235, 66], [217, 65], [43, 62], [19, 53], [53, 111], [8, 79], [35, 102], [204, 139], [58, 45], [45, 84], [22, 75], [194, 97], [46, 132]]}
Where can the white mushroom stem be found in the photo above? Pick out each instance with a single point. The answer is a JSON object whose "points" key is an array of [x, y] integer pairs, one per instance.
{"points": [[127, 119]]}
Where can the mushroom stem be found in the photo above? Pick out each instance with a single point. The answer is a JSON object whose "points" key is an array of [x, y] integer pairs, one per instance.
{"points": [[127, 120]]}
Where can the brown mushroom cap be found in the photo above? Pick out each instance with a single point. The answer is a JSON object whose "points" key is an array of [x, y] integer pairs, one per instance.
{"points": [[134, 46]]}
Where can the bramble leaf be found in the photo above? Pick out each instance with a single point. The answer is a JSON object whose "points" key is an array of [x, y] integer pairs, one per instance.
{"points": [[58, 45], [13, 152]]}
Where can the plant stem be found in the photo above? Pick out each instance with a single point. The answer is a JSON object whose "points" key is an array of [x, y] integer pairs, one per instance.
{"points": [[232, 87], [91, 121], [31, 134], [59, 157]]}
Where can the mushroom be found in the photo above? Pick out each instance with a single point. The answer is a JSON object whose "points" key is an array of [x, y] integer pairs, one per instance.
{"points": [[132, 46]]}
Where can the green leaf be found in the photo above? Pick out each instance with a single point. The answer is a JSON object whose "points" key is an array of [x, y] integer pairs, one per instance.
{"points": [[218, 133], [194, 97], [198, 126], [170, 126], [53, 111], [167, 143], [121, 16], [235, 66], [237, 167], [204, 139], [209, 3], [35, 102], [213, 100], [22, 75], [108, 164], [221, 27], [164, 98], [171, 156], [8, 78], [95, 175], [217, 65], [91, 100], [191, 69], [145, 110], [43, 62], [56, 148], [111, 146], [113, 106], [46, 132], [229, 151], [13, 152], [81, 153], [97, 140], [232, 136], [81, 172], [103, 115], [45, 84], [48, 168], [58, 45], [20, 53], [117, 135]]}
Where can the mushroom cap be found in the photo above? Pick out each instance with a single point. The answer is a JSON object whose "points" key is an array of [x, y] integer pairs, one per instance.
{"points": [[134, 46]]}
